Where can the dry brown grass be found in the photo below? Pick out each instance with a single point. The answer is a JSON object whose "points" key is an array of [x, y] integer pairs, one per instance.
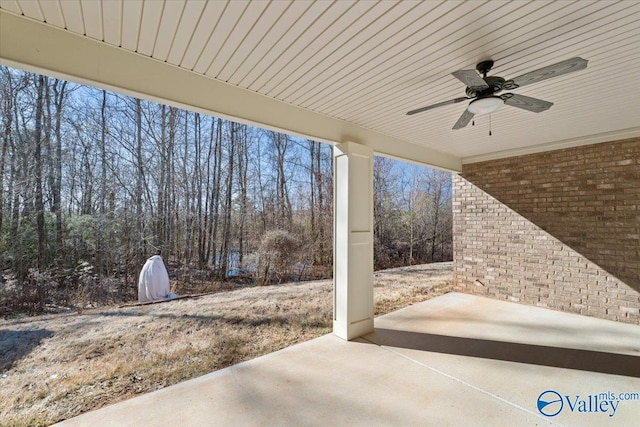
{"points": [[55, 367]]}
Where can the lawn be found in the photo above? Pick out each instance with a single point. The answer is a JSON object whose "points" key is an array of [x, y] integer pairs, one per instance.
{"points": [[57, 366]]}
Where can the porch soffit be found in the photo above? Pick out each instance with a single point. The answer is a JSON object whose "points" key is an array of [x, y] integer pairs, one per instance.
{"points": [[349, 70], [47, 50]]}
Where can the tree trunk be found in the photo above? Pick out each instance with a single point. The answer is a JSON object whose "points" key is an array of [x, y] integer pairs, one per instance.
{"points": [[322, 215], [282, 195], [215, 196], [205, 249], [139, 245], [170, 220], [39, 205], [7, 115], [312, 201], [59, 92], [197, 184], [226, 241], [243, 160], [187, 195]]}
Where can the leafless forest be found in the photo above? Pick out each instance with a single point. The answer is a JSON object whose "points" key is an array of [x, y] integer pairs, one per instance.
{"points": [[93, 182]]}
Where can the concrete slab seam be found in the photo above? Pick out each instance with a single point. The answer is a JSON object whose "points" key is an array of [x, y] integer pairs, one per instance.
{"points": [[391, 350]]}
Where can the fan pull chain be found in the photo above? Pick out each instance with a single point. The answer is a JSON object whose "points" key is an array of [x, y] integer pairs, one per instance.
{"points": [[473, 122], [489, 124]]}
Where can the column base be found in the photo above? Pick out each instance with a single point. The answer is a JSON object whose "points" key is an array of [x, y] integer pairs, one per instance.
{"points": [[355, 330]]}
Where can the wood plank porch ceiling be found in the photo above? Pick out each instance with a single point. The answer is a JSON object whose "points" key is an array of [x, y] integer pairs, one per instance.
{"points": [[369, 62]]}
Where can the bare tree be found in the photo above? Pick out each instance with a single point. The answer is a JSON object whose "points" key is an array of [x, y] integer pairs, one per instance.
{"points": [[225, 247], [119, 173], [139, 245], [39, 204], [7, 91], [59, 89]]}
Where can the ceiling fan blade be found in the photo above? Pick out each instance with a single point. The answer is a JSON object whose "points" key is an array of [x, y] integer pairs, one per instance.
{"points": [[439, 104], [555, 70], [471, 79], [526, 102], [464, 119]]}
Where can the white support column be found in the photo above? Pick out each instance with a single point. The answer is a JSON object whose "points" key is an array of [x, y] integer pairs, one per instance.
{"points": [[353, 240]]}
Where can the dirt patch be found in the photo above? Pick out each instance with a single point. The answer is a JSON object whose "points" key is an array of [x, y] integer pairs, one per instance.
{"points": [[58, 366]]}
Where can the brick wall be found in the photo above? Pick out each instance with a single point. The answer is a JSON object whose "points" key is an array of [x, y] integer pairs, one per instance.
{"points": [[559, 229]]}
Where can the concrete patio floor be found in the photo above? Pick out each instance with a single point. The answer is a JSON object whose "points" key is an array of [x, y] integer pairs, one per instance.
{"points": [[453, 360]]}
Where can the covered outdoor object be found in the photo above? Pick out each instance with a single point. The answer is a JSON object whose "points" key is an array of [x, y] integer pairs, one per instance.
{"points": [[153, 284]]}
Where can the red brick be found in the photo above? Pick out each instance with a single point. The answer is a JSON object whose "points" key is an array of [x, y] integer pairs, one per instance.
{"points": [[558, 229]]}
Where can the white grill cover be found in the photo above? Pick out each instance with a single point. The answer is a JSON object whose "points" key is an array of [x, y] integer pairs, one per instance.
{"points": [[153, 284]]}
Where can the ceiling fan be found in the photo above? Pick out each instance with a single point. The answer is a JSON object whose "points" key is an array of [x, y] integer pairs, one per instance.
{"points": [[483, 89]]}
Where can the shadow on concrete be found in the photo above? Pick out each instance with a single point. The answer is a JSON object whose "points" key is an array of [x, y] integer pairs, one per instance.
{"points": [[557, 357], [14, 345]]}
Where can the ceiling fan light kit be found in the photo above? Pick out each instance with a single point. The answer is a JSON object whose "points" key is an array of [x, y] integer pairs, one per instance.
{"points": [[485, 105], [483, 89]]}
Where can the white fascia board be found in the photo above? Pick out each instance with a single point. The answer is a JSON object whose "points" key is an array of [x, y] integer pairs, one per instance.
{"points": [[39, 47]]}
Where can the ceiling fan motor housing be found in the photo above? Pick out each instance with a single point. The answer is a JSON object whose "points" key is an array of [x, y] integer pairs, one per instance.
{"points": [[495, 84]]}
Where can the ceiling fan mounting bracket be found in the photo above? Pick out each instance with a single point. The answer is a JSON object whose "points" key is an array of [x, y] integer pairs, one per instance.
{"points": [[484, 67]]}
